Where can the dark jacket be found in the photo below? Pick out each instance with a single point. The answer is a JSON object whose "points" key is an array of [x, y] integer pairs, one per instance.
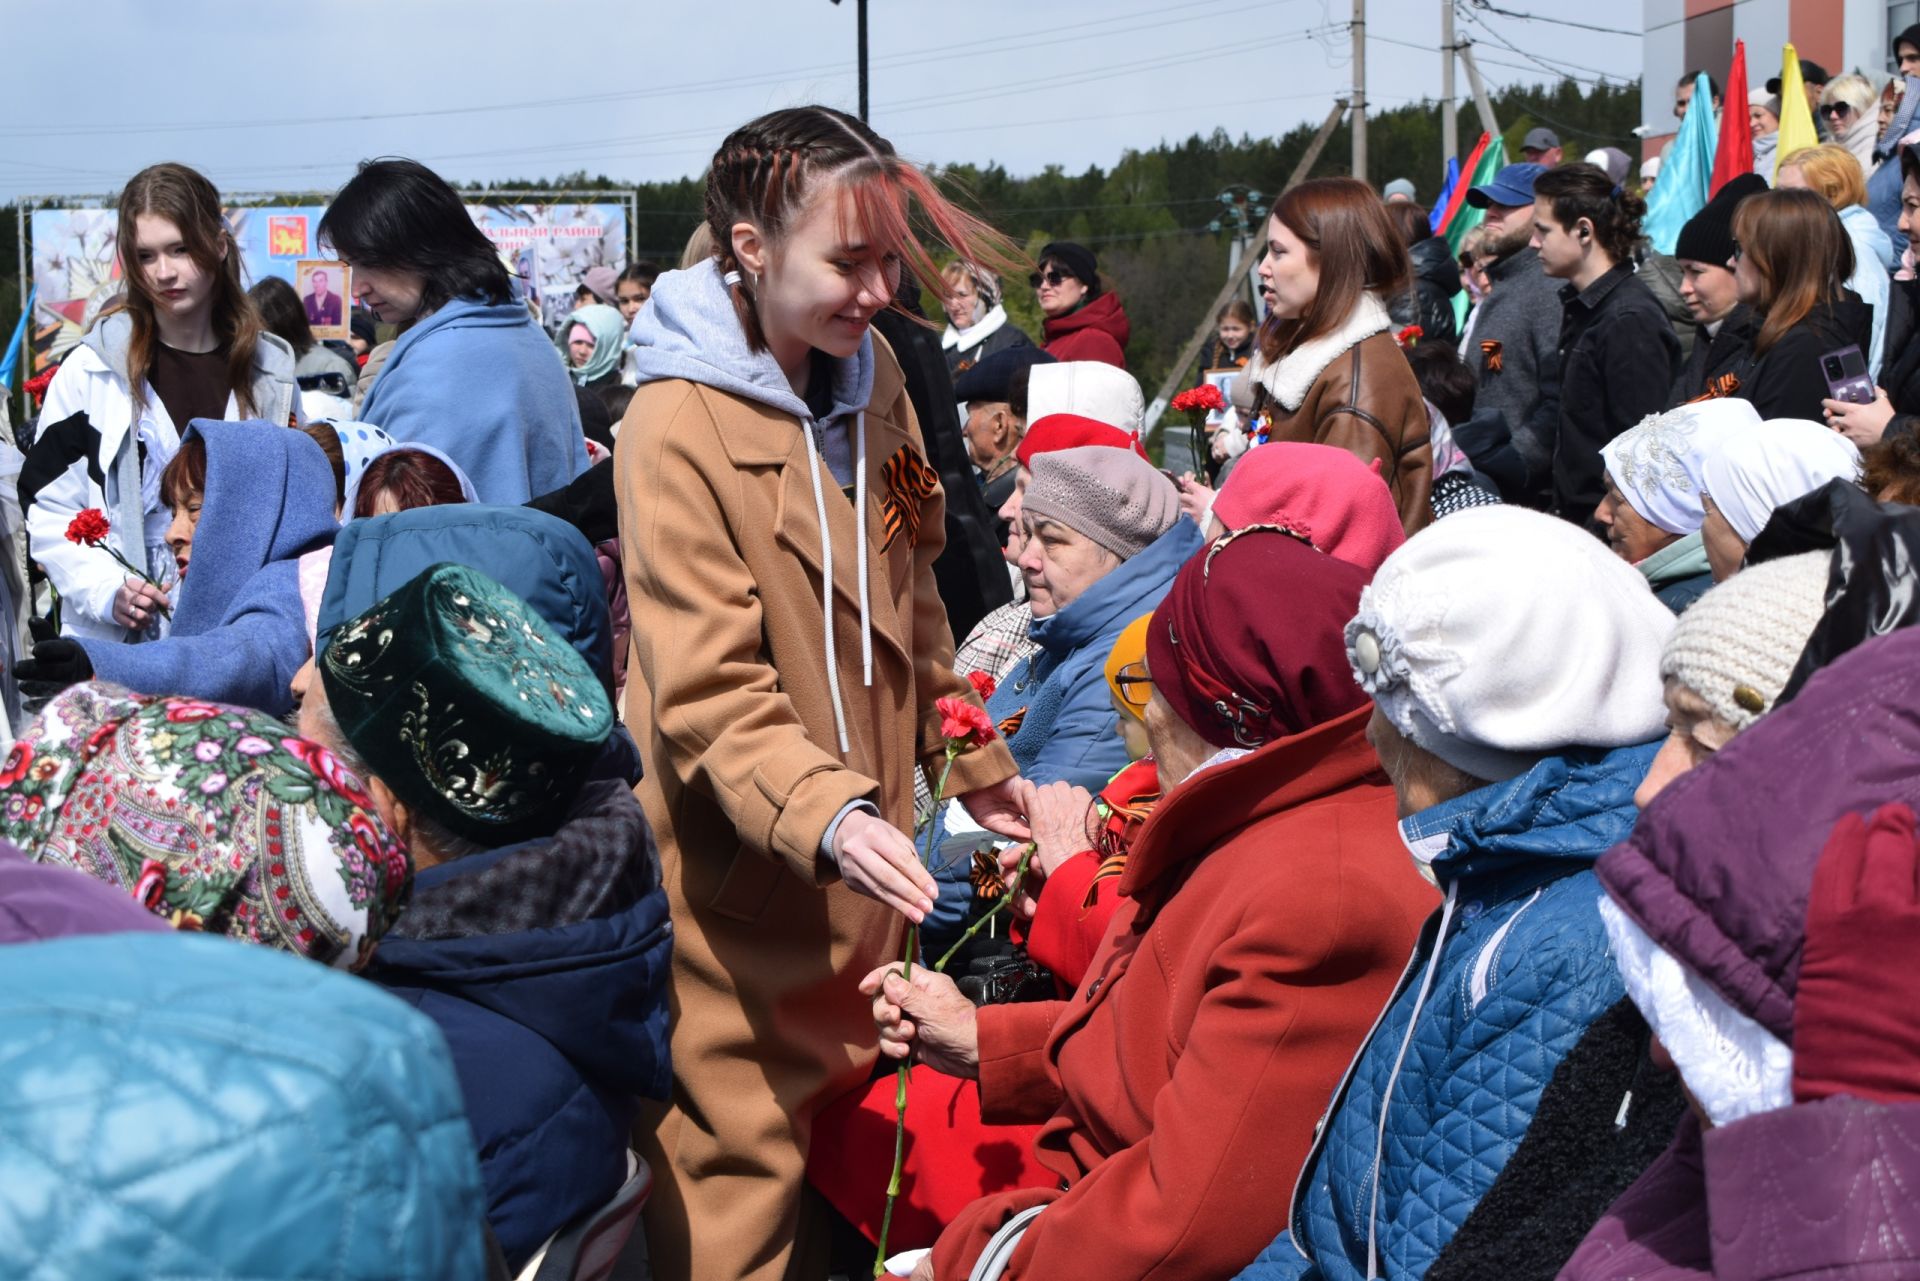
{"points": [[545, 966], [1516, 349], [1215, 355], [1004, 338], [1429, 302], [969, 571], [1618, 357], [1787, 381], [1720, 363], [1097, 331], [1900, 370]]}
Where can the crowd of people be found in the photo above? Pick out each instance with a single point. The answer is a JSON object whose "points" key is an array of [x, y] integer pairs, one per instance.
{"points": [[485, 803]]}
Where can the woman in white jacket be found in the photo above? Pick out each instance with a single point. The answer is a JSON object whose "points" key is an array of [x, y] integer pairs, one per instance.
{"points": [[186, 344]]}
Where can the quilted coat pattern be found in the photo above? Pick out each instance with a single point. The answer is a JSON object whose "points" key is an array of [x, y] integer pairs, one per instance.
{"points": [[1522, 971], [180, 1106]]}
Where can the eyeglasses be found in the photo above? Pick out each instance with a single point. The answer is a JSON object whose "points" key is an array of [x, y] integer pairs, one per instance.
{"points": [[1837, 110], [1134, 674], [1052, 275]]}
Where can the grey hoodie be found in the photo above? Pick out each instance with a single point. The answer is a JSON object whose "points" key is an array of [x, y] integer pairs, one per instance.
{"points": [[688, 330]]}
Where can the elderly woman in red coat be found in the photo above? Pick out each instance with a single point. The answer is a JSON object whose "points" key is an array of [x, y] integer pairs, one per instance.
{"points": [[1268, 908]]}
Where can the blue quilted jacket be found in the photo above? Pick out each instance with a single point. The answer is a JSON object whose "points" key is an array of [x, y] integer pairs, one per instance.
{"points": [[1504, 980], [186, 1106]]}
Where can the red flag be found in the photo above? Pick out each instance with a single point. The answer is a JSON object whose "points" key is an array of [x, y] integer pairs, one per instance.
{"points": [[1733, 155], [1467, 167]]}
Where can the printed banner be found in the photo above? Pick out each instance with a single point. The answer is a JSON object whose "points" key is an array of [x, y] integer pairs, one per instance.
{"points": [[75, 271]]}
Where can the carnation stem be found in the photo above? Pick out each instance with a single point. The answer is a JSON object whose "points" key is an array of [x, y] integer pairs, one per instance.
{"points": [[900, 1073], [1019, 877]]}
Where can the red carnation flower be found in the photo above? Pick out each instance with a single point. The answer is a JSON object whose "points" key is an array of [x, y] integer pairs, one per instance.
{"points": [[89, 528], [1410, 336], [963, 723], [1206, 396], [982, 684]]}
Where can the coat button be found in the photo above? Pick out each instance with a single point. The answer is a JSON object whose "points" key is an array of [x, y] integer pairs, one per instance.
{"points": [[1366, 652]]}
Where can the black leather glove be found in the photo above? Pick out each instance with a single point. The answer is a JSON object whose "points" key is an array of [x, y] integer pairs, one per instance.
{"points": [[55, 664]]}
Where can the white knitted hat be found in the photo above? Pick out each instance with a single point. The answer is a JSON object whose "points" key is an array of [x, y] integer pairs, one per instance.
{"points": [[1499, 636], [1736, 646], [1088, 388]]}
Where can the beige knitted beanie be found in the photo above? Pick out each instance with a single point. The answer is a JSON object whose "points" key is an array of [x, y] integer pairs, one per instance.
{"points": [[1736, 646]]}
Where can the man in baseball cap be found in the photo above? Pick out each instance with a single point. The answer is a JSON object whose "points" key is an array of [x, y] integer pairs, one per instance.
{"points": [[1542, 147]]}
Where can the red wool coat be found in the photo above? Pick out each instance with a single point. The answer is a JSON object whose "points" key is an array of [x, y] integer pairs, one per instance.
{"points": [[1097, 331], [1269, 909]]}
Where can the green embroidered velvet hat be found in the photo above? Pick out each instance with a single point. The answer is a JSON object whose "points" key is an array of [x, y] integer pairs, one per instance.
{"points": [[468, 705]]}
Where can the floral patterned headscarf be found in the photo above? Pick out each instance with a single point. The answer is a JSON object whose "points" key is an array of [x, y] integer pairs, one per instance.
{"points": [[217, 818]]}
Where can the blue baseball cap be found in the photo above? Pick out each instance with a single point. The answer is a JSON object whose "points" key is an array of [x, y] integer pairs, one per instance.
{"points": [[1511, 186]]}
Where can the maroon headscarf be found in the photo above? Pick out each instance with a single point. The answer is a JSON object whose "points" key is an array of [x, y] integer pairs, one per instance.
{"points": [[1249, 645]]}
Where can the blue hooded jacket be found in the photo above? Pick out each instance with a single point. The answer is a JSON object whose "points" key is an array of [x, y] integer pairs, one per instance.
{"points": [[239, 630], [1070, 730], [1502, 984], [544, 964], [481, 381], [181, 1105]]}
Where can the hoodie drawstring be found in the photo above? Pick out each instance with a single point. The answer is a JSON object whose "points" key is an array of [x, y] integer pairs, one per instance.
{"points": [[860, 534], [1386, 1095], [826, 587], [826, 579]]}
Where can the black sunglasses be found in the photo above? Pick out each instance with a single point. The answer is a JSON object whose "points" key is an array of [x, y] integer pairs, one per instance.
{"points": [[1052, 275], [1840, 109]]}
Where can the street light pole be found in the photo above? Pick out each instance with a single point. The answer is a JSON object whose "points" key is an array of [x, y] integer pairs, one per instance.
{"points": [[860, 19], [1359, 30], [1449, 117]]}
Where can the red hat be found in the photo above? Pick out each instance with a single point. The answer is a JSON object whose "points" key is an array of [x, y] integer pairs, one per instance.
{"points": [[1250, 646], [1321, 493], [1070, 431]]}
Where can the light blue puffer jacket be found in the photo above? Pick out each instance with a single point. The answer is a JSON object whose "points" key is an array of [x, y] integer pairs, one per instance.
{"points": [[1520, 970], [187, 1106]]}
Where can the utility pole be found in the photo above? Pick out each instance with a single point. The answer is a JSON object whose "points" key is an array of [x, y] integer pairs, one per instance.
{"points": [[860, 10], [1480, 99], [1359, 30], [1449, 122]]}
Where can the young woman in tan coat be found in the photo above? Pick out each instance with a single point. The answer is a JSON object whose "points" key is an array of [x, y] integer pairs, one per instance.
{"points": [[781, 523]]}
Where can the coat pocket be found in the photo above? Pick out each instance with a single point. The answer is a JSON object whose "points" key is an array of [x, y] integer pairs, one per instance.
{"points": [[747, 887]]}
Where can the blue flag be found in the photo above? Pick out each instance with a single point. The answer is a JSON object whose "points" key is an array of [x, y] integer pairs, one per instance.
{"points": [[1686, 175], [1438, 214], [11, 361]]}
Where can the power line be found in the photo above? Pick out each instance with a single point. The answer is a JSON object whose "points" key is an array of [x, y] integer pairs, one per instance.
{"points": [[1558, 22], [1566, 69], [1119, 25]]}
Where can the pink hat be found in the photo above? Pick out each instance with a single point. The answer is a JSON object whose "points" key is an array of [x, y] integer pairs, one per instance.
{"points": [[1321, 493]]}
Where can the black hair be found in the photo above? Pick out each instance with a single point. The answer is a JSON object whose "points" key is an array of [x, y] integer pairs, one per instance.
{"points": [[1910, 160], [616, 397], [281, 313], [1713, 86], [1444, 378], [399, 214], [1585, 191], [644, 272]]}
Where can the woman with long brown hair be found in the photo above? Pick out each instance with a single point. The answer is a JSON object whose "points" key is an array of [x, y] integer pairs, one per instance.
{"points": [[186, 344], [1329, 371], [1791, 260], [779, 522]]}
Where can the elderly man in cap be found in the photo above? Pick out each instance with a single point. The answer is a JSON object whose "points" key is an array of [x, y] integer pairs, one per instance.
{"points": [[538, 936], [1813, 79], [1542, 147], [1516, 340], [993, 399]]}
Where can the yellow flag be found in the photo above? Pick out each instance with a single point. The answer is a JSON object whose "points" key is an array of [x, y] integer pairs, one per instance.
{"points": [[1796, 117]]}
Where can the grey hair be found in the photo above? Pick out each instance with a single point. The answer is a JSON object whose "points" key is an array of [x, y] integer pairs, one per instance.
{"points": [[1408, 763], [442, 844]]}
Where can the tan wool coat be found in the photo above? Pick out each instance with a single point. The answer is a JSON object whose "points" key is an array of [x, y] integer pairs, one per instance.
{"points": [[729, 699]]}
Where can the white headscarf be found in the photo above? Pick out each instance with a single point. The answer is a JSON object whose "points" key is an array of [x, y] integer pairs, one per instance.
{"points": [[353, 483], [1657, 465], [1771, 463]]}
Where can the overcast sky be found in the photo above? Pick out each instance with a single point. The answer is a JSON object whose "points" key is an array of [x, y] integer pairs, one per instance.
{"points": [[269, 98]]}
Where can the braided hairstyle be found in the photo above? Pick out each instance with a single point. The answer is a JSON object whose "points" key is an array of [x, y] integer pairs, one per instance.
{"points": [[768, 170]]}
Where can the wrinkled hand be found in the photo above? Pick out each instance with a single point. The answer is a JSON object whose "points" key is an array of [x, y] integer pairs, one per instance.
{"points": [[55, 664], [1195, 498], [1854, 1030], [878, 860], [1061, 816], [136, 602], [928, 1019], [923, 1271], [1862, 424], [999, 808]]}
